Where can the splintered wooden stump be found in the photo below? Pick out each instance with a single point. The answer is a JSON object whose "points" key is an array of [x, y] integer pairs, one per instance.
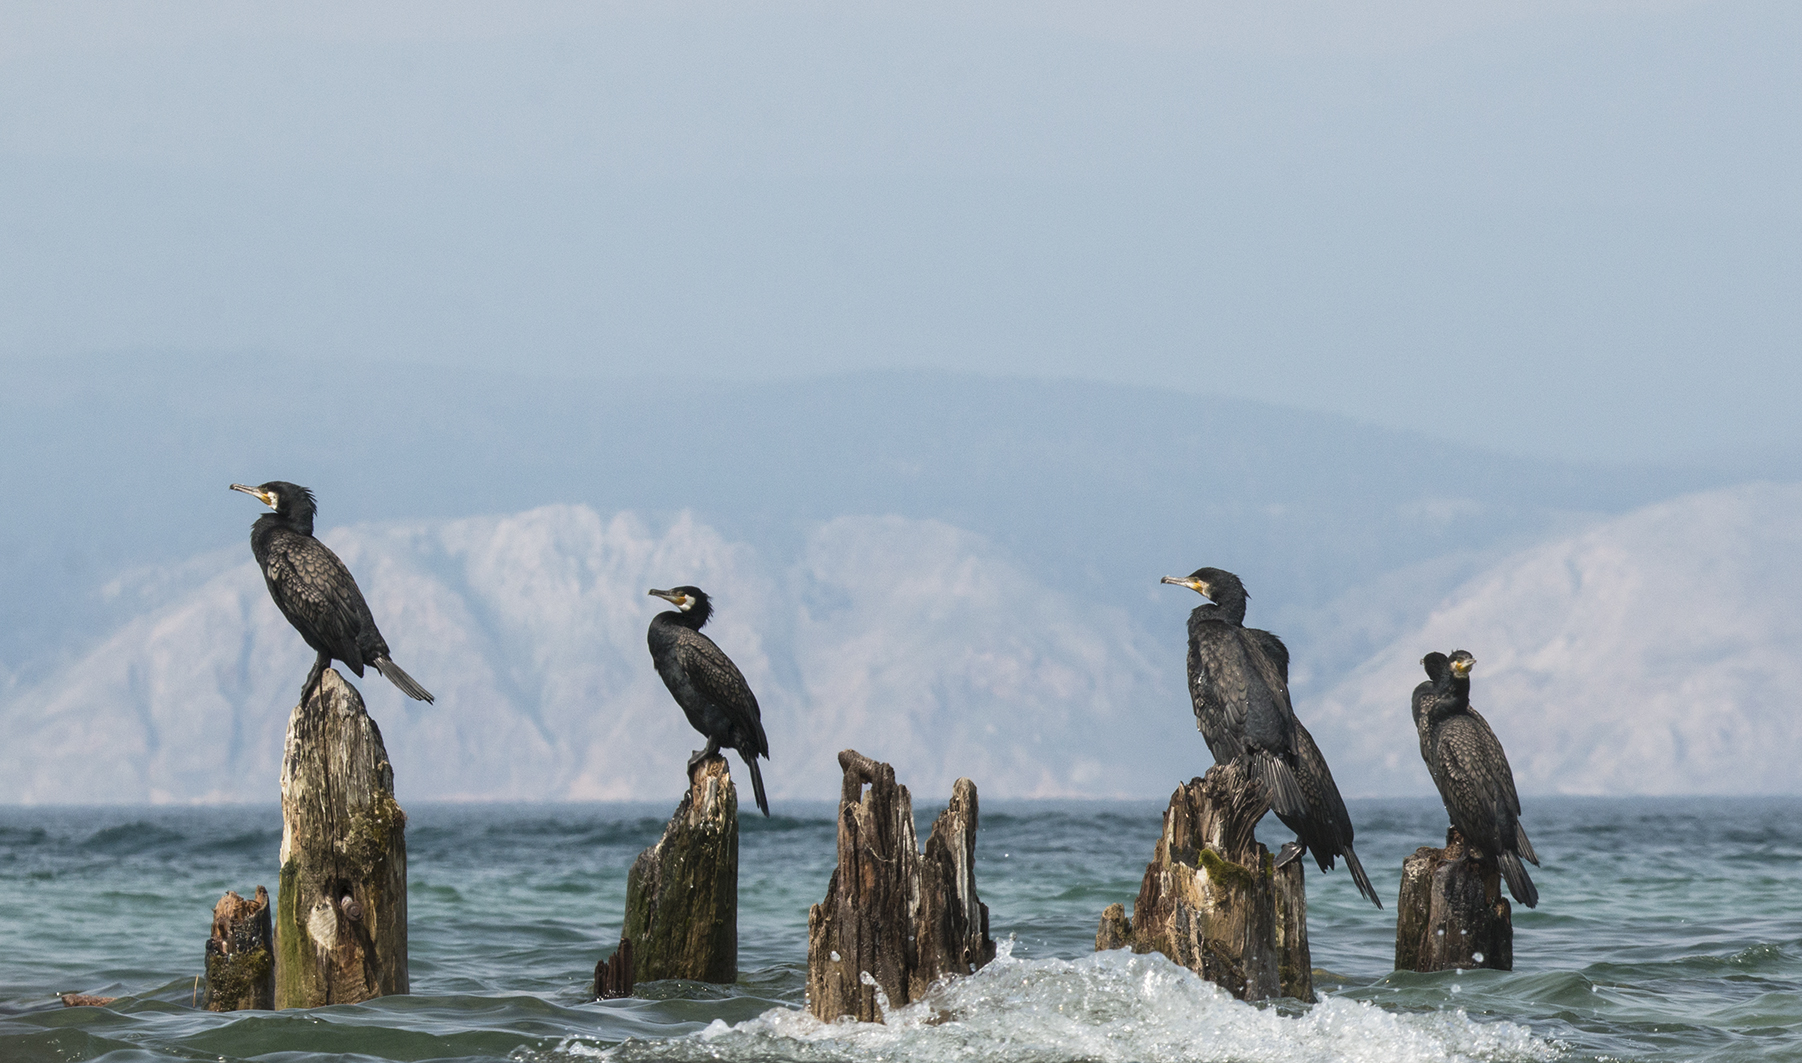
{"points": [[341, 920], [682, 893], [1452, 912], [240, 955], [1212, 899], [613, 975], [893, 921]]}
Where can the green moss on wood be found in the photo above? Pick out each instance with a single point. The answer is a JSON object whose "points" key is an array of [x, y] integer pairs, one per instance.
{"points": [[232, 981], [1229, 874]]}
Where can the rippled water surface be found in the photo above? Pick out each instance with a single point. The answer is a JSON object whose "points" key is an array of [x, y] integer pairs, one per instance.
{"points": [[1668, 929]]}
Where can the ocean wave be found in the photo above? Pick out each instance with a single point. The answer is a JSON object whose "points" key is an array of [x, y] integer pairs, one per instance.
{"points": [[1111, 1007]]}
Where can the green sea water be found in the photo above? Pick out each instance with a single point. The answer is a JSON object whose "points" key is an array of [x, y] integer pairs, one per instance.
{"points": [[1669, 929]]}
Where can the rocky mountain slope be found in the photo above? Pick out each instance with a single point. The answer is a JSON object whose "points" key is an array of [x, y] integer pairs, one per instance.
{"points": [[1650, 653], [1659, 652]]}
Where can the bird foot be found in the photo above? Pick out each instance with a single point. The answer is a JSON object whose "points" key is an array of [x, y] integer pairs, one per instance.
{"points": [[1288, 853]]}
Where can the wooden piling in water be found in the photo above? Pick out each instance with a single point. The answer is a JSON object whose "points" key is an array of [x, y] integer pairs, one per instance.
{"points": [[682, 893], [1452, 913], [894, 921], [613, 975], [1212, 899], [240, 955], [341, 920]]}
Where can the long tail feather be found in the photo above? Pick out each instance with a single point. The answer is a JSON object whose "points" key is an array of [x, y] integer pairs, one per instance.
{"points": [[1518, 882], [398, 676], [1524, 846], [763, 803], [1360, 878]]}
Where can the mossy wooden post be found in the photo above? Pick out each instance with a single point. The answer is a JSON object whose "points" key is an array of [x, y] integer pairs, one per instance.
{"points": [[341, 919], [240, 955], [894, 921], [1452, 912], [682, 893], [1212, 899]]}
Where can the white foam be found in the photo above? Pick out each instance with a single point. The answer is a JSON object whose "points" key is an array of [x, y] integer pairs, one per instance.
{"points": [[1112, 1007]]}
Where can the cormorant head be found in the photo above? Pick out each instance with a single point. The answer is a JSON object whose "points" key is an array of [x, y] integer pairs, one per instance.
{"points": [[290, 501], [1461, 664], [1215, 584], [691, 602], [1437, 664]]}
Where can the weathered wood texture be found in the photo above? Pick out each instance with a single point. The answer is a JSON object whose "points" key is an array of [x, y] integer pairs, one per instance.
{"points": [[341, 919], [682, 893], [901, 918], [1452, 912], [240, 955], [613, 975], [1212, 899]]}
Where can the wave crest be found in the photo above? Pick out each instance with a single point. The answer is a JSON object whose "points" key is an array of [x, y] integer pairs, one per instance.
{"points": [[1111, 1007]]}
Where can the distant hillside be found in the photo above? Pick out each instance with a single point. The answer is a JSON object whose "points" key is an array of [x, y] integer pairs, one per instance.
{"points": [[116, 467], [1657, 653], [910, 639], [1652, 653]]}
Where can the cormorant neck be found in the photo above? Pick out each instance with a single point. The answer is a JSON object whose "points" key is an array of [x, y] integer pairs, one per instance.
{"points": [[301, 521], [696, 615], [1450, 698], [1230, 609]]}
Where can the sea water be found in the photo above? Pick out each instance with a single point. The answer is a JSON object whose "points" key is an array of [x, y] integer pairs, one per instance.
{"points": [[1668, 929]]}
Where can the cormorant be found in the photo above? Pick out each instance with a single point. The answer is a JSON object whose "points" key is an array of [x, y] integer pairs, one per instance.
{"points": [[1239, 685], [704, 681], [315, 591], [1471, 771]]}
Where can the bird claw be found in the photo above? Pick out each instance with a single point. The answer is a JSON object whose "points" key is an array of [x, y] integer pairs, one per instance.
{"points": [[1288, 853]]}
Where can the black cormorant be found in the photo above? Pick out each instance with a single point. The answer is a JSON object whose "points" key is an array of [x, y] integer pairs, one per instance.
{"points": [[1239, 685], [315, 591], [1471, 771], [704, 681]]}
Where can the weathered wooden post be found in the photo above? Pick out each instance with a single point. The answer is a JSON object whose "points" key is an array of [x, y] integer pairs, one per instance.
{"points": [[893, 921], [341, 920], [613, 976], [682, 893], [1452, 912], [240, 955], [1212, 899]]}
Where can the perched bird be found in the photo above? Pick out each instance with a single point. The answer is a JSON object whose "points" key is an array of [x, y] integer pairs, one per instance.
{"points": [[315, 591], [704, 681], [1471, 771], [1239, 685]]}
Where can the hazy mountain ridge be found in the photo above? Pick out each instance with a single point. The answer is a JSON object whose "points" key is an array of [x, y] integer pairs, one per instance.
{"points": [[1659, 652], [1097, 489], [910, 638], [1652, 653]]}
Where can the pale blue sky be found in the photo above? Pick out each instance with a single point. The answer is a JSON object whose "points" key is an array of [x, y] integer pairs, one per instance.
{"points": [[1574, 226]]}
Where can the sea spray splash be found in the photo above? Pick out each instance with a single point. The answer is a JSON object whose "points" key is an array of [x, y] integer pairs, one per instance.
{"points": [[1109, 1007]]}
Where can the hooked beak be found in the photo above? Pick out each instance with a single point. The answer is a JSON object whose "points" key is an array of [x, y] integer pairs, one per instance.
{"points": [[1183, 581], [258, 495], [669, 596]]}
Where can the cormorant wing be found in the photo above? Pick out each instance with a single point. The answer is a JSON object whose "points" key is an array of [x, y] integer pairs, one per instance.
{"points": [[716, 677], [315, 591], [1275, 650], [1475, 779], [1219, 687]]}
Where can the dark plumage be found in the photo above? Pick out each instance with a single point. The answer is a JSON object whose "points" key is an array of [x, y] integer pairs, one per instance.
{"points": [[1471, 771], [315, 591], [704, 681], [1239, 685]]}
